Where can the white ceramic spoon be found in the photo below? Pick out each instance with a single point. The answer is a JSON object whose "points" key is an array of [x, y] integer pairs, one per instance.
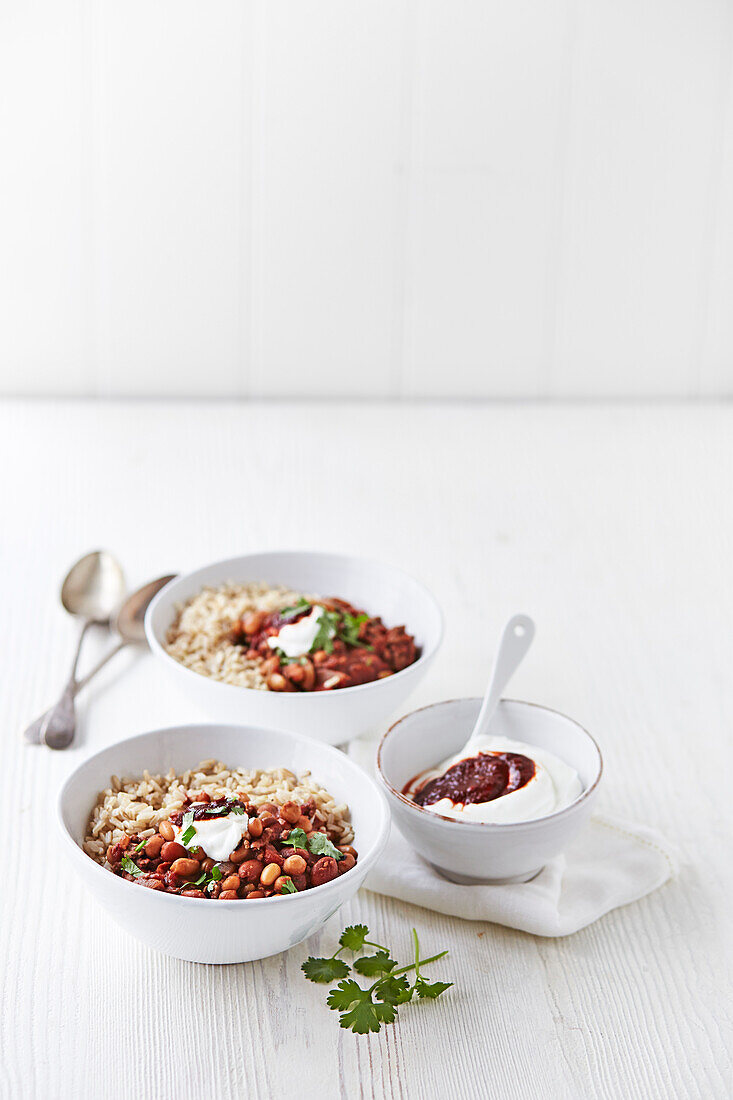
{"points": [[515, 641]]}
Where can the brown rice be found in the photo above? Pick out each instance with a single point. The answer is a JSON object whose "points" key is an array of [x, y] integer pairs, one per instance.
{"points": [[130, 807], [198, 636]]}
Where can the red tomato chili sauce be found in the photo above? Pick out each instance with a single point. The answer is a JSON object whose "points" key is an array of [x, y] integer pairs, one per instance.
{"points": [[480, 778], [357, 648]]}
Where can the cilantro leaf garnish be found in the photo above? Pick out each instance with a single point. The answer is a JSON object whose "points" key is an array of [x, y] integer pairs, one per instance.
{"points": [[327, 628], [424, 989], [324, 970], [141, 845], [320, 845], [371, 965], [295, 609], [349, 629], [289, 887], [131, 867], [363, 1010], [189, 829], [216, 872], [296, 839], [354, 937]]}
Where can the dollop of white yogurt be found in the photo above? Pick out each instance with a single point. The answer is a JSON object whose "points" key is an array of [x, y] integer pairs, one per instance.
{"points": [[553, 786], [295, 639], [218, 836]]}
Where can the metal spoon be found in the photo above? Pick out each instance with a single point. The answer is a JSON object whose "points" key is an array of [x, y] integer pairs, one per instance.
{"points": [[57, 726], [91, 590], [515, 641]]}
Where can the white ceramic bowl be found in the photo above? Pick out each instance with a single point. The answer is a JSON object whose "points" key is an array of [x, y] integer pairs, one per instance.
{"points": [[471, 852], [199, 929], [331, 716]]}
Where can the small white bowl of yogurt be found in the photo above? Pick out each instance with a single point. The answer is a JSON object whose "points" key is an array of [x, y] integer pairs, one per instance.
{"points": [[499, 814]]}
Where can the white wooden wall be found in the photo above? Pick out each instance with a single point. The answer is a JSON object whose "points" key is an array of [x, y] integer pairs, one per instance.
{"points": [[383, 197]]}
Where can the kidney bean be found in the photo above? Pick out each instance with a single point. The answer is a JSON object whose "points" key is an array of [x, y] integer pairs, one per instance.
{"points": [[227, 868], [166, 830], [348, 850], [255, 827], [186, 868], [324, 870], [271, 855], [153, 846], [231, 882], [228, 895], [294, 865], [346, 863], [172, 880], [255, 894], [251, 870], [268, 821], [151, 883], [239, 855], [114, 854], [207, 865], [192, 892], [270, 873], [300, 882], [173, 850]]}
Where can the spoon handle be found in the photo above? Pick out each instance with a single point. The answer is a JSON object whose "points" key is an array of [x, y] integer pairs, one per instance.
{"points": [[34, 733], [515, 641]]}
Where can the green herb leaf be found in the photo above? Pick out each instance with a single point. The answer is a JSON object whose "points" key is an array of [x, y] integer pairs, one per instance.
{"points": [[359, 1013], [295, 609], [354, 937], [296, 839], [324, 970], [141, 845], [188, 836], [320, 845], [216, 873], [131, 867], [238, 810], [327, 629], [199, 881], [349, 629], [394, 988], [288, 887], [372, 965], [431, 990]]}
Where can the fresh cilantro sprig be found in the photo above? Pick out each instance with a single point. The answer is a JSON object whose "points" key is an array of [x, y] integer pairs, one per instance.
{"points": [[295, 609], [361, 1009], [189, 829], [130, 866], [318, 845]]}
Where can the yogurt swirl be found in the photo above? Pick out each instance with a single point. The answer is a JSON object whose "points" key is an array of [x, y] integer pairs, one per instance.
{"points": [[505, 781]]}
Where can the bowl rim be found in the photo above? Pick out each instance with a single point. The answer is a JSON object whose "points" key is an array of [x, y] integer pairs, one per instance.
{"points": [[423, 660], [490, 825], [367, 859]]}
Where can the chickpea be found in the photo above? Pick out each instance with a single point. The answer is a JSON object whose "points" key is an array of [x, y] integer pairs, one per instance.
{"points": [[290, 811], [303, 823], [294, 865], [252, 622], [269, 874]]}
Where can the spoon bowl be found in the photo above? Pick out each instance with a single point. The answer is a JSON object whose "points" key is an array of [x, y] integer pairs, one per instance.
{"points": [[94, 587]]}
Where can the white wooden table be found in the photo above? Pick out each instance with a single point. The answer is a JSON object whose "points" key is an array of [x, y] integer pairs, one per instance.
{"points": [[611, 526]]}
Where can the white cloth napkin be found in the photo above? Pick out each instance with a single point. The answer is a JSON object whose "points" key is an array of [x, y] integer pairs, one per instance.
{"points": [[612, 863]]}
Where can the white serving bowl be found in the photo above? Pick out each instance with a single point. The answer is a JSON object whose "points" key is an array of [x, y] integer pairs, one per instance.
{"points": [[200, 929], [471, 852], [331, 716]]}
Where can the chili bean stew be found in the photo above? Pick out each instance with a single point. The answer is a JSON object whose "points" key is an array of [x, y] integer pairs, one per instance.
{"points": [[286, 833], [277, 640]]}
